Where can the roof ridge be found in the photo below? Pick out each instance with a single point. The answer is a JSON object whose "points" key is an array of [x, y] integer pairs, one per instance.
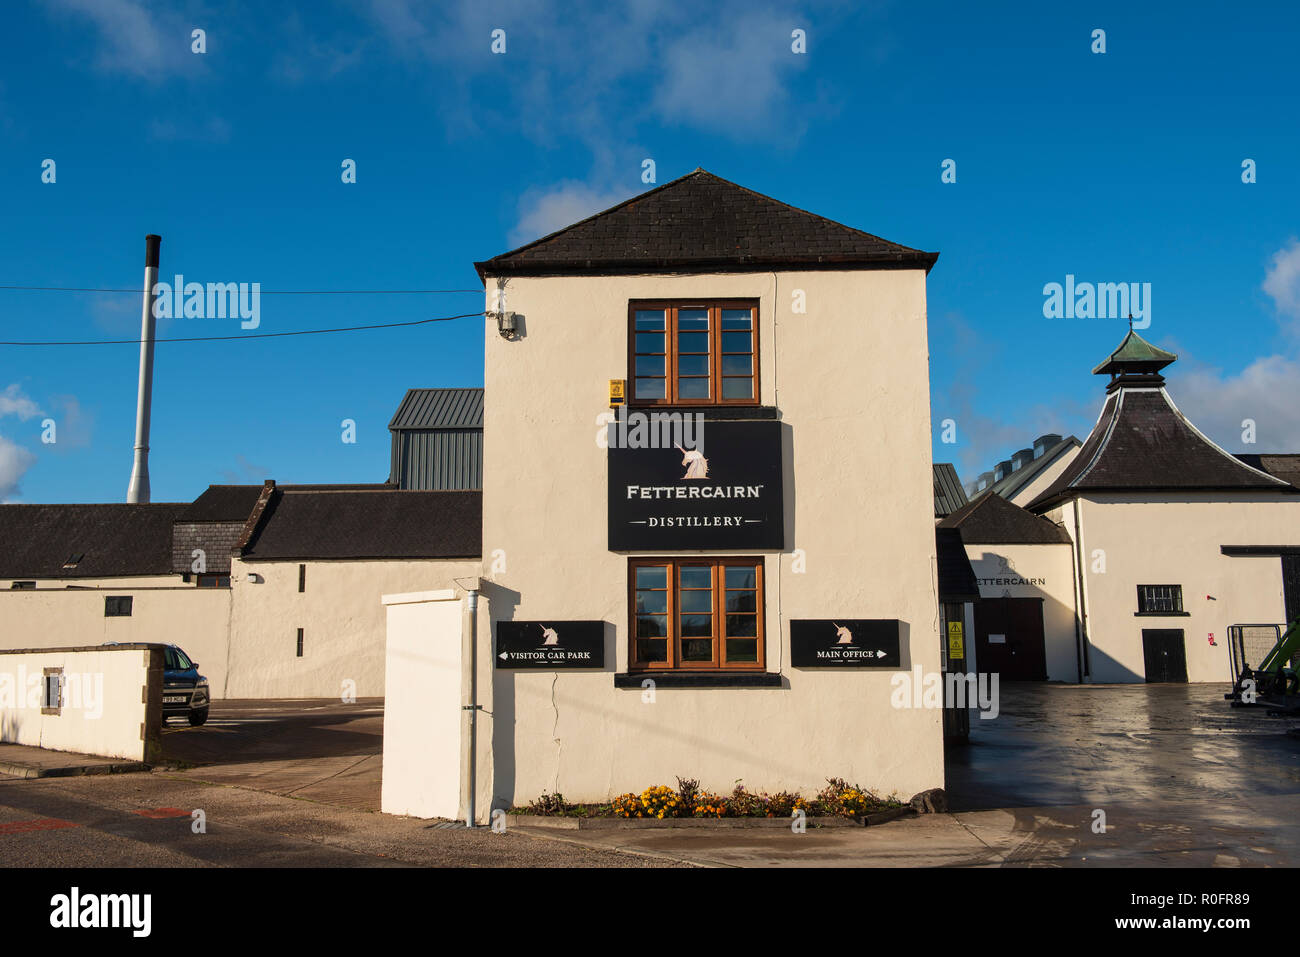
{"points": [[731, 239]]}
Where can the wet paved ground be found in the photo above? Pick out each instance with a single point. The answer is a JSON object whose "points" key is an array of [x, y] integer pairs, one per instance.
{"points": [[1134, 744], [320, 750], [1184, 781], [279, 784]]}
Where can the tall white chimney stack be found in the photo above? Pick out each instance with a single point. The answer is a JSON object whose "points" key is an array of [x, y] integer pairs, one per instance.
{"points": [[138, 490]]}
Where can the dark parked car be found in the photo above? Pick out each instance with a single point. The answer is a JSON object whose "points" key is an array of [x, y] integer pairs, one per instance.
{"points": [[185, 691]]}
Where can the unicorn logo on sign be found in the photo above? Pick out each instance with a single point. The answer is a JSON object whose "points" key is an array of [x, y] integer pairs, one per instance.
{"points": [[697, 466], [845, 636], [550, 635]]}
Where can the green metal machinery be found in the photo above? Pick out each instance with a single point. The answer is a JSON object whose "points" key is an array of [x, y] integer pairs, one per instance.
{"points": [[1274, 682]]}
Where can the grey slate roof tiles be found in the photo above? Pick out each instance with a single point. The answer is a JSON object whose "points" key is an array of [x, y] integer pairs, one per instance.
{"points": [[1142, 442], [991, 520], [701, 221], [368, 524], [113, 540]]}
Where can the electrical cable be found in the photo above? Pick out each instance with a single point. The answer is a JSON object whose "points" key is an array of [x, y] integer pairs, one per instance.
{"points": [[253, 335]]}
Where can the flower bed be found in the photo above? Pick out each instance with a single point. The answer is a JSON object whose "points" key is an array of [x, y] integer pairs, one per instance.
{"points": [[838, 799]]}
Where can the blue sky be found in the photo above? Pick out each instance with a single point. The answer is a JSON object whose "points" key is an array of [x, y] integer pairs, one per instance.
{"points": [[1124, 166]]}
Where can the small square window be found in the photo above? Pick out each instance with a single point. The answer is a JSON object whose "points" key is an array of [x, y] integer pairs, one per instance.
{"points": [[117, 606], [52, 691], [1160, 599]]}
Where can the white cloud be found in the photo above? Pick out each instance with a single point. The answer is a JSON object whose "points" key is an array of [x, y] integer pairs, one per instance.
{"points": [[731, 76], [594, 71], [1282, 281], [14, 462], [14, 402], [544, 211], [1264, 392], [139, 38]]}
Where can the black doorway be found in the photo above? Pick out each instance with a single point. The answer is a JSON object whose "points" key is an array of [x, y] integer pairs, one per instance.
{"points": [[1165, 654], [1009, 638]]}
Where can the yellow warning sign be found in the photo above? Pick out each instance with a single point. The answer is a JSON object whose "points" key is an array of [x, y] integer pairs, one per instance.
{"points": [[956, 640], [617, 391]]}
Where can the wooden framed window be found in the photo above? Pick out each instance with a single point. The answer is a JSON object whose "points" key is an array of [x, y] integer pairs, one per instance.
{"points": [[693, 614], [693, 352]]}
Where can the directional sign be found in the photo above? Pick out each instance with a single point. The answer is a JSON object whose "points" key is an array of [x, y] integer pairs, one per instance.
{"points": [[550, 645], [845, 643]]}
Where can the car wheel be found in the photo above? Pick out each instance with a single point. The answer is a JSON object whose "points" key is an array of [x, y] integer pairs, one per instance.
{"points": [[198, 717]]}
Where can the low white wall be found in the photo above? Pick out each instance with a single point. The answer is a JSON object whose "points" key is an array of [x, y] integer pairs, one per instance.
{"points": [[422, 705], [52, 616], [110, 705]]}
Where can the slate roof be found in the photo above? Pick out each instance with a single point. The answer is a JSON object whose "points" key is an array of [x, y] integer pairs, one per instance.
{"points": [[439, 409], [222, 503], [1143, 443], [1015, 481], [948, 493], [113, 540], [1285, 467], [956, 577], [234, 503], [992, 520], [361, 524], [703, 222]]}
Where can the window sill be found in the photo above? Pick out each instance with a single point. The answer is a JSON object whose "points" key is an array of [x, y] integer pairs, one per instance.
{"points": [[1162, 614], [712, 412], [667, 678]]}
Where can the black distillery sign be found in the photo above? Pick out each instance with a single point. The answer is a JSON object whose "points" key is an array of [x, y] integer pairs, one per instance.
{"points": [[550, 644], [845, 643], [722, 492]]}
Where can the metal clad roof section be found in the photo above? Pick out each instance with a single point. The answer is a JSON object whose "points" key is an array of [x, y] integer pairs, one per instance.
{"points": [[439, 409], [948, 493]]}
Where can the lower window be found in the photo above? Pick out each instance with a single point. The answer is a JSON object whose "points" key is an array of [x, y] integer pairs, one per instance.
{"points": [[1153, 599], [696, 613]]}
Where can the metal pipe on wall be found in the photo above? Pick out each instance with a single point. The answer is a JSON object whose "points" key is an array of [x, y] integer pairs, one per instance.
{"points": [[469, 705]]}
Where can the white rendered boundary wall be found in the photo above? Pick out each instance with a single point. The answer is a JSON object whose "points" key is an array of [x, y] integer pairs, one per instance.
{"points": [[92, 700], [422, 705]]}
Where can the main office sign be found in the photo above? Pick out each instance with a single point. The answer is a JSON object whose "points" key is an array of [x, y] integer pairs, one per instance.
{"points": [[846, 643], [723, 493]]}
